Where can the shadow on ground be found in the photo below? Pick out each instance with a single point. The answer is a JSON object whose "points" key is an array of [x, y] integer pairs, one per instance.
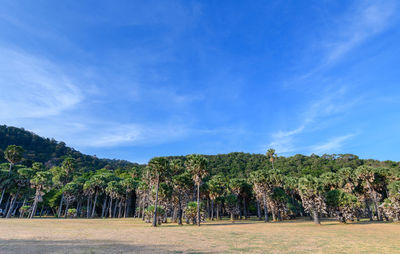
{"points": [[81, 247]]}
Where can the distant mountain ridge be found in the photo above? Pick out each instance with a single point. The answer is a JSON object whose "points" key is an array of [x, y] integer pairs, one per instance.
{"points": [[51, 152]]}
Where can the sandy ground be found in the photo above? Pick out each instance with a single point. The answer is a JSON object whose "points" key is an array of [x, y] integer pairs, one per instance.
{"points": [[133, 236]]}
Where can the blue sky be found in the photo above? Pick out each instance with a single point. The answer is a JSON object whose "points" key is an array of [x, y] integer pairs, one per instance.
{"points": [[133, 80]]}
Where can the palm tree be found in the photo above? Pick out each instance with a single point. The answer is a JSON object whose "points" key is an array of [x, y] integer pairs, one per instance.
{"points": [[71, 191], [342, 204], [4, 183], [159, 167], [197, 166], [130, 185], [271, 156], [237, 186], [182, 183], [259, 179], [114, 190], [142, 192], [391, 206], [231, 201], [13, 154], [177, 169], [62, 175], [311, 192], [371, 183], [95, 186], [41, 182], [216, 185]]}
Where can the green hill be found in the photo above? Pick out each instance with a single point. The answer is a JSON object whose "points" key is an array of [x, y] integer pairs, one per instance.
{"points": [[51, 152]]}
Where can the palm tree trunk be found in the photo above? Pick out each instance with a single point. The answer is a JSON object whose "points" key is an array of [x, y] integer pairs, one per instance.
{"points": [[94, 204], [88, 207], [120, 208], [41, 211], [79, 208], [7, 205], [265, 209], [179, 210], [61, 204], [218, 209], [244, 208], [273, 214], [110, 208], [378, 212], [11, 206], [315, 217], [103, 210], [34, 206], [368, 210], [115, 208], [208, 209], [175, 214], [258, 210], [126, 205], [212, 209], [66, 209], [143, 203], [155, 205], [23, 204], [2, 196], [198, 204], [9, 170]]}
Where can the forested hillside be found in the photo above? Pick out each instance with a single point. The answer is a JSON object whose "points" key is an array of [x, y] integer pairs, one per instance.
{"points": [[51, 152]]}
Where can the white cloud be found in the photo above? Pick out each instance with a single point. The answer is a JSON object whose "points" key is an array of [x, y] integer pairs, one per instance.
{"points": [[132, 134], [366, 21], [332, 146], [81, 132], [330, 104], [31, 87]]}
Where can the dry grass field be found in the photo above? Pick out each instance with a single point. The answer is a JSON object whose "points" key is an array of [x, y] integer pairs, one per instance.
{"points": [[133, 236]]}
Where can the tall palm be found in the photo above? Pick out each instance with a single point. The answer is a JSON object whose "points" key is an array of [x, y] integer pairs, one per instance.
{"points": [[311, 191], [159, 167], [71, 191], [271, 156], [13, 154], [61, 176], [19, 181], [197, 166], [177, 170], [41, 182], [182, 184], [130, 185], [259, 179], [216, 186], [96, 183], [237, 186], [114, 190], [371, 183]]}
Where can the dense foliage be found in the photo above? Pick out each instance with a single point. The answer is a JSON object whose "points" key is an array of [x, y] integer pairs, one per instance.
{"points": [[192, 188]]}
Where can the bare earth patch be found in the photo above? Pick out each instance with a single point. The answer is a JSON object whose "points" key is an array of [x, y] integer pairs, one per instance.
{"points": [[133, 236]]}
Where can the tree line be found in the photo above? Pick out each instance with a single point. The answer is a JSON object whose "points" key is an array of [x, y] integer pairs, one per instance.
{"points": [[194, 188]]}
